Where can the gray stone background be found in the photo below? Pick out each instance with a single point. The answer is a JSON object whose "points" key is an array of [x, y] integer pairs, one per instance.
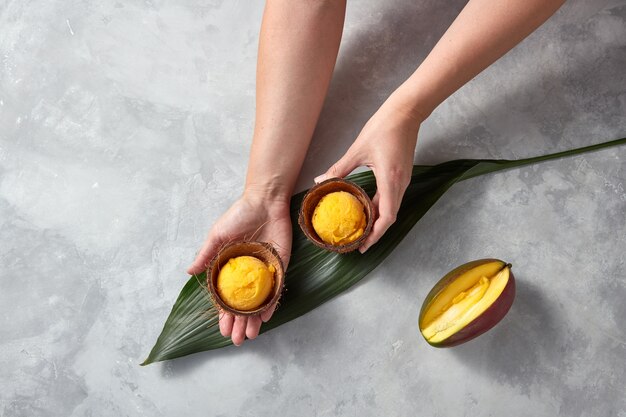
{"points": [[124, 133]]}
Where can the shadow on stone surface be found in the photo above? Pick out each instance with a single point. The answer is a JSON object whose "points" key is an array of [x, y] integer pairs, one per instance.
{"points": [[181, 367], [372, 63], [319, 337], [513, 351], [378, 58]]}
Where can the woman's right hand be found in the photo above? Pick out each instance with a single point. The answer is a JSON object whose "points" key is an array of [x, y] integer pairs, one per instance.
{"points": [[386, 145], [252, 217]]}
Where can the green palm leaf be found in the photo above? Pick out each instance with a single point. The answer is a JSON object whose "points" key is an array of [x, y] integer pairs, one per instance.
{"points": [[314, 275]]}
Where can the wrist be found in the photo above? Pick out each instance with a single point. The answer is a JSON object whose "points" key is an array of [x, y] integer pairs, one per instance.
{"points": [[405, 103], [424, 91], [273, 193]]}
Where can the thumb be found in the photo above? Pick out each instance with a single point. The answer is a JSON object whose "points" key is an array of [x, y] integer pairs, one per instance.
{"points": [[207, 252], [340, 169]]}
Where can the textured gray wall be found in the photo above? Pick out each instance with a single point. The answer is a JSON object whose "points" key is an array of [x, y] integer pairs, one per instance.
{"points": [[124, 133]]}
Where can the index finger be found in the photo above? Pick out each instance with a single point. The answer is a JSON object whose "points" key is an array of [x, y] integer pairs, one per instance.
{"points": [[388, 197]]}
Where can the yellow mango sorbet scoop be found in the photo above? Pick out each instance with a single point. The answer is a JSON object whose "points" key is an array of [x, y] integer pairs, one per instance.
{"points": [[339, 218], [245, 282]]}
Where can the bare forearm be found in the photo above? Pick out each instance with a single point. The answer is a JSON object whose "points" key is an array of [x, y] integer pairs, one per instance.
{"points": [[483, 32], [298, 48]]}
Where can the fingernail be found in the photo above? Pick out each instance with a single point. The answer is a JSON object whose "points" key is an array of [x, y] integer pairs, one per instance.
{"points": [[319, 178], [362, 249]]}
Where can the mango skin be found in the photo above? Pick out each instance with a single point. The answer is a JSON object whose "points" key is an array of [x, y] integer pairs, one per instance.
{"points": [[488, 319]]}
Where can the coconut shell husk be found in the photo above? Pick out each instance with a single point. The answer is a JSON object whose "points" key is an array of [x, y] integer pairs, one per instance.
{"points": [[261, 250], [315, 194]]}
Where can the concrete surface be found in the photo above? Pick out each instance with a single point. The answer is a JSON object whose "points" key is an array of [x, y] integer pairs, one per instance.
{"points": [[124, 132]]}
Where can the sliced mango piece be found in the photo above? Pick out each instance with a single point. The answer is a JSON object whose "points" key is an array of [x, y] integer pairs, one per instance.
{"points": [[477, 307], [467, 302], [460, 279], [457, 308]]}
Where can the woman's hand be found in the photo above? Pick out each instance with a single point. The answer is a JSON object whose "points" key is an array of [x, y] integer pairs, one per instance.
{"points": [[298, 47], [255, 218], [386, 145]]}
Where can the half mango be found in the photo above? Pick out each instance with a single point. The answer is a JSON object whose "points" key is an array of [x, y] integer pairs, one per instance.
{"points": [[467, 302]]}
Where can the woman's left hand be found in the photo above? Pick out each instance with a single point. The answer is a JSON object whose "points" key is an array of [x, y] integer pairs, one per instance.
{"points": [[386, 145], [252, 217]]}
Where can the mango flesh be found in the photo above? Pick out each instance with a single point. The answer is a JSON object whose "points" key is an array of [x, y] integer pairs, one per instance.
{"points": [[339, 218], [467, 302], [245, 282]]}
